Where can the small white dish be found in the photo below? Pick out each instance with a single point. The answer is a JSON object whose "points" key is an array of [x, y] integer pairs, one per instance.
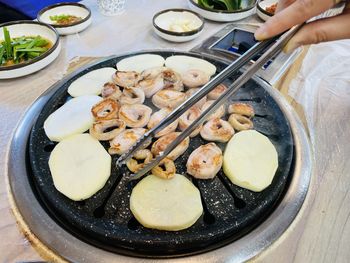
{"points": [[261, 8], [30, 28], [75, 9], [248, 9], [178, 25]]}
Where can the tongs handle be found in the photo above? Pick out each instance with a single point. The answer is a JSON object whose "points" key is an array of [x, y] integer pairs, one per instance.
{"points": [[233, 67], [174, 115]]}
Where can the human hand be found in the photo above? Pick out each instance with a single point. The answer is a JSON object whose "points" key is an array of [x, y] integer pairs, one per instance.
{"points": [[293, 12]]}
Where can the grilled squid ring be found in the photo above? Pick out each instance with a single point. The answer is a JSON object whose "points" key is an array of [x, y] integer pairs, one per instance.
{"points": [[126, 78], [135, 115], [107, 129], [165, 169], [205, 161], [172, 80], [111, 91], [132, 95], [217, 130], [220, 112], [162, 143], [106, 109], [134, 163], [157, 117], [240, 122], [194, 78], [217, 91], [241, 109], [188, 117], [168, 98]]}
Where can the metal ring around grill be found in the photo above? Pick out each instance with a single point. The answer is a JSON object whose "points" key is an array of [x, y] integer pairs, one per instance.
{"points": [[71, 248]]}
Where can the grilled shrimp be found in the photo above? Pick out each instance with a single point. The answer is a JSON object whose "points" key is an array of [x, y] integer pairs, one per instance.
{"points": [[124, 140], [205, 162], [132, 95], [135, 115], [106, 109], [159, 145], [217, 130], [217, 91], [168, 98], [106, 130], [111, 91], [241, 109], [217, 114], [194, 78], [188, 117], [157, 117], [126, 78], [189, 94]]}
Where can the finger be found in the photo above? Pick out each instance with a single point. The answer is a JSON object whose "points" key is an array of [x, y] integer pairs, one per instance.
{"points": [[282, 4], [327, 29], [297, 13]]}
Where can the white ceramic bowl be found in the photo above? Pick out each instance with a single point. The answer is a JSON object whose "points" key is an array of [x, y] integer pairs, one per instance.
{"points": [[166, 19], [75, 9], [30, 28], [248, 9], [261, 8]]}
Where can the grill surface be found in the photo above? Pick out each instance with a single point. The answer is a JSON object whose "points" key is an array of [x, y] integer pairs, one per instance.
{"points": [[105, 219]]}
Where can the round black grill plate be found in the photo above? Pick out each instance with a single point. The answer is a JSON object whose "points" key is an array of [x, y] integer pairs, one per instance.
{"points": [[105, 220]]}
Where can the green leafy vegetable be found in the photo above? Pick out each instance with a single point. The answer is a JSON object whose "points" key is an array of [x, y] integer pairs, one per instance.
{"points": [[2, 50], [7, 43], [205, 3], [229, 5], [20, 49]]}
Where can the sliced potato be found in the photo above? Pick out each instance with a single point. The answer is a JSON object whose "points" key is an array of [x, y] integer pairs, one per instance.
{"points": [[79, 166], [165, 204], [72, 118], [91, 83], [181, 64], [140, 62], [250, 160]]}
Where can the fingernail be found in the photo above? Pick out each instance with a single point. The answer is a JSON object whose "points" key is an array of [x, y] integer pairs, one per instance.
{"points": [[260, 33]]}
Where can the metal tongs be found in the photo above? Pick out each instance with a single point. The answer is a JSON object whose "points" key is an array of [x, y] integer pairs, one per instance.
{"points": [[259, 47]]}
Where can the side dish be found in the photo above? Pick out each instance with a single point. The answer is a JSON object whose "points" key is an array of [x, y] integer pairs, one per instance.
{"points": [[21, 49], [65, 19], [271, 9]]}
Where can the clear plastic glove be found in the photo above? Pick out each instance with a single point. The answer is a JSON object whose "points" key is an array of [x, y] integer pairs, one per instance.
{"points": [[293, 12]]}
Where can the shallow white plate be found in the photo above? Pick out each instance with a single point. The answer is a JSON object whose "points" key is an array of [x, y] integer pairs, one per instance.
{"points": [[163, 21], [75, 9], [248, 9], [261, 8], [30, 28]]}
